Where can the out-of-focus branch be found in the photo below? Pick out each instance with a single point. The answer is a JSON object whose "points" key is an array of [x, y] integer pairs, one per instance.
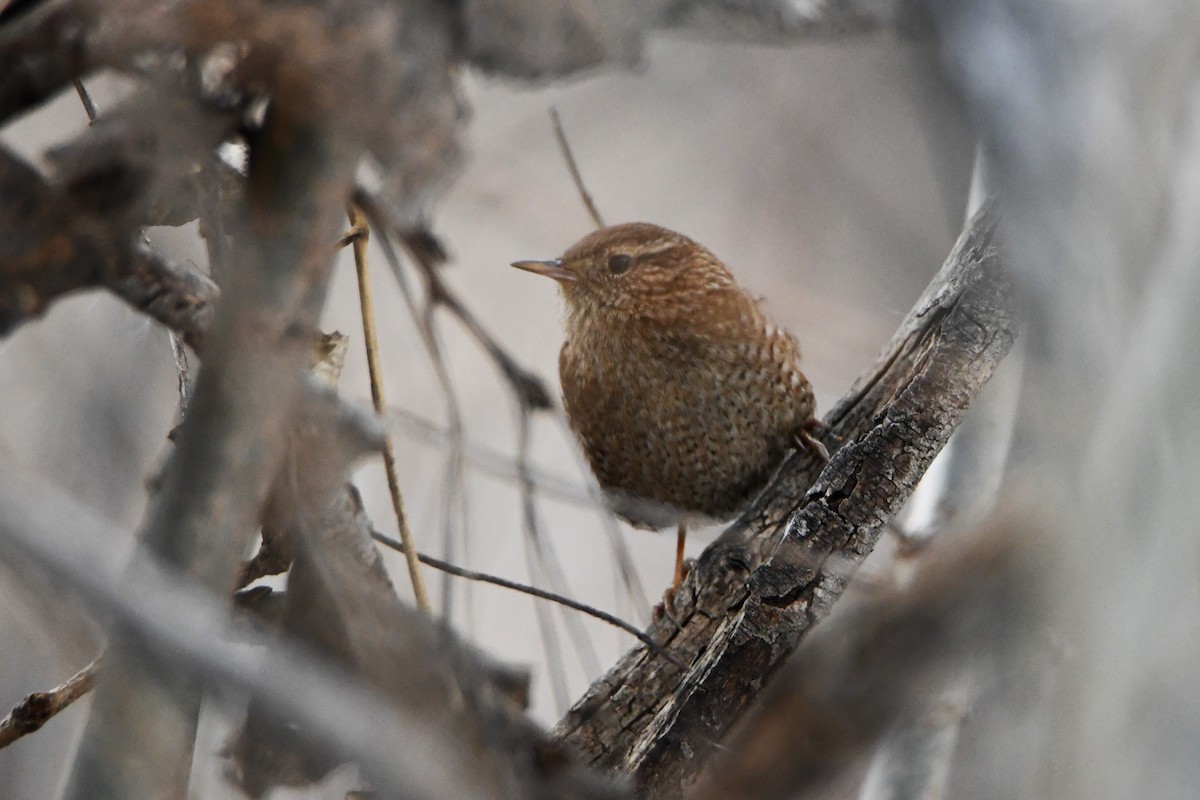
{"points": [[341, 602], [41, 51], [180, 297], [788, 22], [976, 604], [913, 760], [47, 248], [754, 594], [554, 38], [185, 628], [492, 461], [532, 591], [35, 710], [427, 253], [50, 247], [229, 446]]}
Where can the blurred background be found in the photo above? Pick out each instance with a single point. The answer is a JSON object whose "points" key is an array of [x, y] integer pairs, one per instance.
{"points": [[832, 179]]}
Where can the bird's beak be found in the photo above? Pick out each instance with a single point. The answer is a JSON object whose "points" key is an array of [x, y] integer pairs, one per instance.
{"points": [[551, 269]]}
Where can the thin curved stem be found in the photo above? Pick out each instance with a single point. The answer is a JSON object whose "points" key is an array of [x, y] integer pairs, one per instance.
{"points": [[371, 340]]}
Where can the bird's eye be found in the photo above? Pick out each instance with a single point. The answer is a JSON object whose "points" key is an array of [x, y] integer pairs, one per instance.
{"points": [[619, 263]]}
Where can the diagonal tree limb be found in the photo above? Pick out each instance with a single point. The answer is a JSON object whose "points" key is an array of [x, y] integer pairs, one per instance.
{"points": [[46, 248], [49, 248], [775, 573], [180, 297], [36, 709], [974, 606]]}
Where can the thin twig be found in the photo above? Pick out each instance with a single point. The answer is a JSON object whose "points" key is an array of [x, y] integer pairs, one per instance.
{"points": [[549, 485], [454, 495], [359, 246], [453, 484], [425, 254], [533, 591], [490, 461], [626, 573], [530, 391], [543, 548], [536, 562], [351, 236], [569, 157], [35, 710], [88, 106]]}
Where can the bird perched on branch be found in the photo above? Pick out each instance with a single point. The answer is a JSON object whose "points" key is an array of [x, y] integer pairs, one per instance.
{"points": [[683, 393]]}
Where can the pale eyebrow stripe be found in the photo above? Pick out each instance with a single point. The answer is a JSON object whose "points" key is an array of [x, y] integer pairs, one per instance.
{"points": [[660, 246]]}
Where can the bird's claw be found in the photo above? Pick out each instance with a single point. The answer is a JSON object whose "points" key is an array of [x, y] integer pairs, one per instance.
{"points": [[666, 606]]}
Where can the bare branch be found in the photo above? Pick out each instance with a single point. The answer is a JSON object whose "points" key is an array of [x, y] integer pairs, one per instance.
{"points": [[427, 253], [87, 253], [551, 38], [180, 297], [41, 52], [47, 248], [789, 22], [886, 656], [533, 591], [492, 461], [565, 147], [184, 628], [34, 711], [228, 448], [375, 368]]}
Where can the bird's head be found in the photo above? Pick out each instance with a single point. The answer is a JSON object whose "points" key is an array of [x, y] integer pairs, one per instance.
{"points": [[634, 270]]}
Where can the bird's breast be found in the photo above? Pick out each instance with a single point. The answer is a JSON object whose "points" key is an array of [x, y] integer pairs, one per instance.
{"points": [[676, 426]]}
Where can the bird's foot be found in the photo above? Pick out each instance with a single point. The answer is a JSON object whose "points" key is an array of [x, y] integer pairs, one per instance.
{"points": [[666, 606], [806, 439]]}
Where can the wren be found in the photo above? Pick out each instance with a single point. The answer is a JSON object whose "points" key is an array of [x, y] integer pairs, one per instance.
{"points": [[684, 395]]}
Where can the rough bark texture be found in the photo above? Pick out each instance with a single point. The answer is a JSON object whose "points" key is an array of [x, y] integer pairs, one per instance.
{"points": [[970, 608], [754, 594]]}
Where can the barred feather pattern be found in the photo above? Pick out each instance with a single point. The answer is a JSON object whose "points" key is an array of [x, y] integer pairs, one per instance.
{"points": [[683, 393]]}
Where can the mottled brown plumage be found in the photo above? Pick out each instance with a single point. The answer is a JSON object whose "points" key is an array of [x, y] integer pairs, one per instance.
{"points": [[684, 394]]}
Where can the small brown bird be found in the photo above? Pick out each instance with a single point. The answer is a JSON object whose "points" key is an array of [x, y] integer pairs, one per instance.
{"points": [[683, 393]]}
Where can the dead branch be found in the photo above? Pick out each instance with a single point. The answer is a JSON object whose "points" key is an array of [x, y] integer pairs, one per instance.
{"points": [[341, 602], [47, 247], [185, 631], [755, 593], [87, 251], [972, 607], [532, 591], [41, 52], [36, 710], [784, 22], [180, 297], [228, 448]]}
